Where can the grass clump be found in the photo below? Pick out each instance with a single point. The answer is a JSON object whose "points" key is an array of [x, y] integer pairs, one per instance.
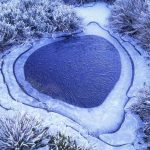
{"points": [[62, 142], [22, 132], [142, 109], [132, 17], [86, 1], [26, 19], [25, 132]]}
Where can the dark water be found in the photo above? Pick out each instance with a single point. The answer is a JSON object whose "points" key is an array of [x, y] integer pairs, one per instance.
{"points": [[80, 71]]}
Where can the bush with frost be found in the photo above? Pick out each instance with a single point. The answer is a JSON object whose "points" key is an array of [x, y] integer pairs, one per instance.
{"points": [[86, 1], [132, 17], [25, 19], [142, 108], [25, 132], [22, 132], [62, 142]]}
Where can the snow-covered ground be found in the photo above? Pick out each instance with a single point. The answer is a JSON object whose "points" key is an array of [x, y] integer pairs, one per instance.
{"points": [[109, 126]]}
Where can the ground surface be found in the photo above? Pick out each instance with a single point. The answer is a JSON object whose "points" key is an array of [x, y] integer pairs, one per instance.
{"points": [[109, 126]]}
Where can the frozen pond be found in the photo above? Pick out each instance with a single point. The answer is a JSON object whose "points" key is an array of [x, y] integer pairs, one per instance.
{"points": [[80, 71]]}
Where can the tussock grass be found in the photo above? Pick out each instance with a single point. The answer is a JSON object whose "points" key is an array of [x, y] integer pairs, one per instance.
{"points": [[21, 20], [142, 109], [132, 17]]}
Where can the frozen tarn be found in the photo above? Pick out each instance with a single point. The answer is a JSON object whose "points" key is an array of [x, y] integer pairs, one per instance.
{"points": [[74, 71], [99, 137]]}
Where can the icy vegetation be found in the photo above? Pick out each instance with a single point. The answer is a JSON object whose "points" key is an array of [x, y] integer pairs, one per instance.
{"points": [[132, 17], [21, 20], [81, 2], [62, 142], [25, 132], [21, 132], [142, 108]]}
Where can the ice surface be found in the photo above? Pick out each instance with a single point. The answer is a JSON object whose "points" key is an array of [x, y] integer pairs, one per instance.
{"points": [[80, 71]]}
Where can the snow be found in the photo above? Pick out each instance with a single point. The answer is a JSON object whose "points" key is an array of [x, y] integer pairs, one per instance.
{"points": [[109, 126], [99, 12], [129, 133]]}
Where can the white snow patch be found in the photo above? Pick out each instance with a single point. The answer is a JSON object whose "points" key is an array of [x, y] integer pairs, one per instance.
{"points": [[99, 12], [126, 134]]}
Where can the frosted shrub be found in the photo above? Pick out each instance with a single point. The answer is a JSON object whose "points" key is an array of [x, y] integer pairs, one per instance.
{"points": [[22, 132], [132, 17], [25, 132], [86, 1], [62, 142], [25, 19], [142, 108]]}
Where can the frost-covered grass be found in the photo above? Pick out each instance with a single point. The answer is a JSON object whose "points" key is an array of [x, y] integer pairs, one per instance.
{"points": [[86, 1], [132, 17], [22, 132], [25, 132], [62, 142], [26, 19], [142, 108]]}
